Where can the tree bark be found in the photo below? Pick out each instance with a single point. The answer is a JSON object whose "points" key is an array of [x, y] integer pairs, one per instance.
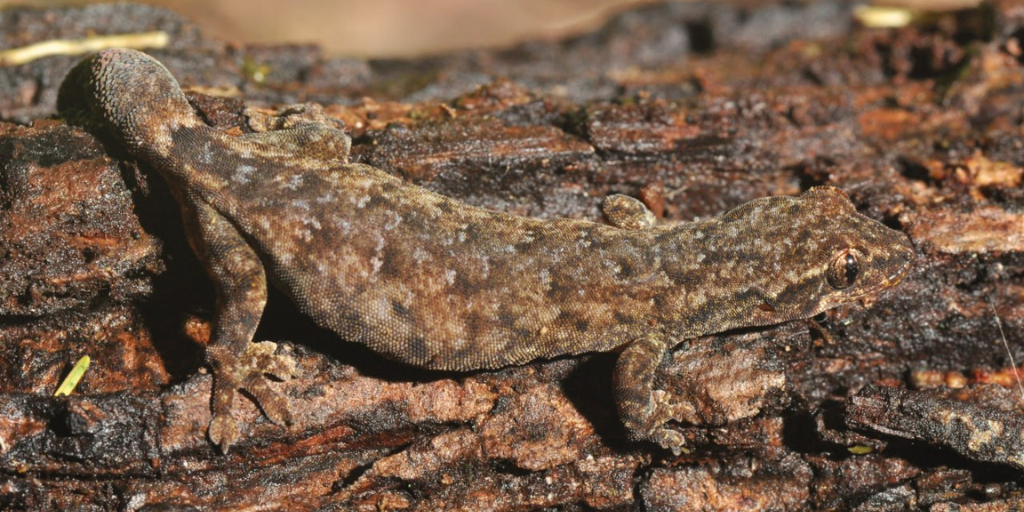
{"points": [[910, 401]]}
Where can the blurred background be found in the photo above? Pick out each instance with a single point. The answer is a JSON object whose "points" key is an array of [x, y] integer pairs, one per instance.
{"points": [[405, 28]]}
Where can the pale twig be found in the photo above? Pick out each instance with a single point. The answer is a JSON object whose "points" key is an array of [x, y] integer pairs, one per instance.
{"points": [[29, 53]]}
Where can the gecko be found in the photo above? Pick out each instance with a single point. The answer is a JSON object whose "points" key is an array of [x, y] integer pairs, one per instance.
{"points": [[432, 282]]}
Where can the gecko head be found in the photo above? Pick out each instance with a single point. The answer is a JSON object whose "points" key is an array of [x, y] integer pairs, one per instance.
{"points": [[815, 252], [131, 93]]}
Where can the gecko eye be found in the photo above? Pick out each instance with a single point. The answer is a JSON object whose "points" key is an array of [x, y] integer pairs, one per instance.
{"points": [[844, 269]]}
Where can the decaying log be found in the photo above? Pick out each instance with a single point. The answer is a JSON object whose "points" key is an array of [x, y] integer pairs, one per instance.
{"points": [[691, 107]]}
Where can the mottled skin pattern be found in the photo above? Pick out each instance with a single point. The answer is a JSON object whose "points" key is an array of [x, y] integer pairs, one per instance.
{"points": [[429, 281]]}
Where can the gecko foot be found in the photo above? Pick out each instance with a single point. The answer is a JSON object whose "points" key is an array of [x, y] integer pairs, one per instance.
{"points": [[657, 432], [650, 424], [247, 372], [291, 116], [669, 439]]}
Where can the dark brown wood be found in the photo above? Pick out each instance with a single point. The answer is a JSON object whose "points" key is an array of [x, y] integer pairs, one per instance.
{"points": [[693, 108]]}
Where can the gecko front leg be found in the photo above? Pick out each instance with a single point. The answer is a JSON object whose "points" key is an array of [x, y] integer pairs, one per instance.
{"points": [[241, 288], [643, 409]]}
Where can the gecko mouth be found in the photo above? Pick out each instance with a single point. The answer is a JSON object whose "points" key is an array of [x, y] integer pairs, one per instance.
{"points": [[897, 276]]}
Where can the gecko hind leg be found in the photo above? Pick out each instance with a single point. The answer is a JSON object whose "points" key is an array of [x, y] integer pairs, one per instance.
{"points": [[290, 116], [643, 409], [627, 212], [317, 147], [241, 287]]}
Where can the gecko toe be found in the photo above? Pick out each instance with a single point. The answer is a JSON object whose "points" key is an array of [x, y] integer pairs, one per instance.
{"points": [[273, 404], [223, 431]]}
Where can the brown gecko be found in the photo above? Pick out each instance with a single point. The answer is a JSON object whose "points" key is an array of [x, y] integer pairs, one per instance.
{"points": [[426, 280]]}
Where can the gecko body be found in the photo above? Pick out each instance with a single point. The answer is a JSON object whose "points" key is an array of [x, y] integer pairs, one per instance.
{"points": [[424, 279]]}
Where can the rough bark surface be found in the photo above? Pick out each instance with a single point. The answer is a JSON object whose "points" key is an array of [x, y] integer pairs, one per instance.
{"points": [[693, 108]]}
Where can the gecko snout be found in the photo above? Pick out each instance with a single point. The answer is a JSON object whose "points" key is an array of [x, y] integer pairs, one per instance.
{"points": [[902, 259]]}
